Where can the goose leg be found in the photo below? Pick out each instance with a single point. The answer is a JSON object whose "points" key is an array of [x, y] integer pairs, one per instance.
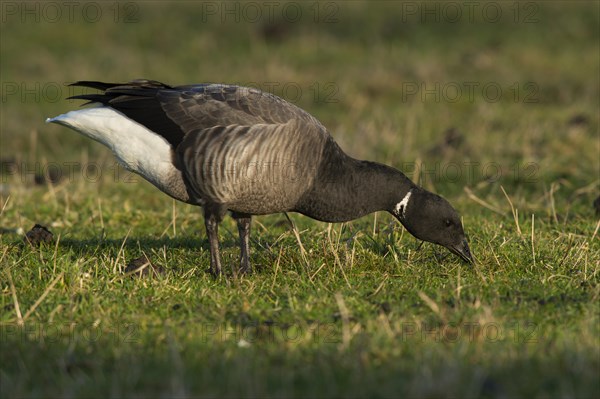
{"points": [[243, 223], [212, 217]]}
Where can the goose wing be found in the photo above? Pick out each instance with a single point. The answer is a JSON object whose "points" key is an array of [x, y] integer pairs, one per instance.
{"points": [[174, 112]]}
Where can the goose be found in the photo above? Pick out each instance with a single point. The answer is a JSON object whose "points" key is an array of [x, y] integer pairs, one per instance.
{"points": [[238, 149]]}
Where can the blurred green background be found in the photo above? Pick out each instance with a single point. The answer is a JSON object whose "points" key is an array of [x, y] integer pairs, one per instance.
{"points": [[509, 87]]}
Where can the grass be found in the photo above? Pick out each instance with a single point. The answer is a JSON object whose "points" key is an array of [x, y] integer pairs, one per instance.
{"points": [[367, 310]]}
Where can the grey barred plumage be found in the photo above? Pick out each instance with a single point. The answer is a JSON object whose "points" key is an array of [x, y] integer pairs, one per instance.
{"points": [[254, 169], [238, 149]]}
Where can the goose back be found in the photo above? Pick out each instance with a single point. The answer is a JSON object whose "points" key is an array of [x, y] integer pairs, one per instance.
{"points": [[173, 112]]}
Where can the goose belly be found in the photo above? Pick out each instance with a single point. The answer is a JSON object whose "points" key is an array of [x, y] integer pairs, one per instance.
{"points": [[257, 169]]}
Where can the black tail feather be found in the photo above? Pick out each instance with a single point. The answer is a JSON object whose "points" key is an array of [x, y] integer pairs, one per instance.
{"points": [[138, 100], [137, 83], [95, 85], [91, 98], [114, 93]]}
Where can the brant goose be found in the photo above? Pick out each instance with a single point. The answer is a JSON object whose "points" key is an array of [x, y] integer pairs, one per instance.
{"points": [[238, 149]]}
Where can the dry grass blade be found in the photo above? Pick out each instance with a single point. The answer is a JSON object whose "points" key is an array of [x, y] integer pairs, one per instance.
{"points": [[494, 255], [15, 298], [100, 216], [55, 255], [514, 211], [43, 296], [174, 219], [4, 205], [375, 224], [481, 202], [345, 315], [297, 235], [430, 303], [533, 238], [336, 257], [116, 262], [173, 223], [378, 289], [317, 272], [417, 172], [478, 271], [553, 188], [595, 231], [276, 267], [138, 269]]}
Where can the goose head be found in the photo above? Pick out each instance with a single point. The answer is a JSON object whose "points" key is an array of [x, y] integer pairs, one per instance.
{"points": [[431, 218]]}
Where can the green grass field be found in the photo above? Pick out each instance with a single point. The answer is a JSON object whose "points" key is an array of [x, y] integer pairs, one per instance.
{"points": [[493, 105]]}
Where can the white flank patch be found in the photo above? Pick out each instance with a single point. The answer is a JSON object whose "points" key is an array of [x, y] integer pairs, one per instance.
{"points": [[402, 205], [137, 148]]}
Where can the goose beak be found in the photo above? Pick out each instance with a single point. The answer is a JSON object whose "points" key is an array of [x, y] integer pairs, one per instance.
{"points": [[462, 250]]}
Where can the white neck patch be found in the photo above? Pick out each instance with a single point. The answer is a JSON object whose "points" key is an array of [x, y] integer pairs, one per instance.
{"points": [[402, 205]]}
